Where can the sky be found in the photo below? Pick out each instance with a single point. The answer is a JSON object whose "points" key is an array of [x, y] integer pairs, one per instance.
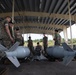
{"points": [[40, 36], [68, 32]]}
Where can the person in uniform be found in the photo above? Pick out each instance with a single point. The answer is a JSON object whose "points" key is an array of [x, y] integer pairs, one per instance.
{"points": [[57, 38], [6, 38], [30, 45], [38, 49], [18, 36], [45, 42]]}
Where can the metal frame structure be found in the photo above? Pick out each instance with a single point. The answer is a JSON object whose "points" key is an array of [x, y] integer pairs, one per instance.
{"points": [[41, 15]]}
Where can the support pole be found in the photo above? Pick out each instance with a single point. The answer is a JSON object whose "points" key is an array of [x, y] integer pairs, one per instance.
{"points": [[65, 34], [53, 31], [27, 36], [70, 23], [13, 11], [23, 26], [13, 18]]}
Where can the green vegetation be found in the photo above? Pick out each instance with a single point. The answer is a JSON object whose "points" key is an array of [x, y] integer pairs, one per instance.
{"points": [[50, 42]]}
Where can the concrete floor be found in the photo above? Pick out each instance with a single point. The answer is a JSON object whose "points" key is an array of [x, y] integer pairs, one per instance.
{"points": [[43, 68]]}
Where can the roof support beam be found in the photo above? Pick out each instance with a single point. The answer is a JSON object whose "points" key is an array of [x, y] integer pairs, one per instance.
{"points": [[38, 31], [39, 14], [40, 25]]}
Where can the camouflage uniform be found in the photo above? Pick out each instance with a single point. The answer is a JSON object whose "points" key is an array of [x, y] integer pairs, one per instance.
{"points": [[19, 38], [38, 49], [57, 39], [30, 46], [4, 38], [45, 40]]}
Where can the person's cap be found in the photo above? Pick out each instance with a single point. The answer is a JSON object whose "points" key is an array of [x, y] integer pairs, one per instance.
{"points": [[56, 30], [37, 42], [29, 36]]}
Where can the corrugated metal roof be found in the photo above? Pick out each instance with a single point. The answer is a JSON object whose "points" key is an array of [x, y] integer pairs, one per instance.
{"points": [[48, 6]]}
